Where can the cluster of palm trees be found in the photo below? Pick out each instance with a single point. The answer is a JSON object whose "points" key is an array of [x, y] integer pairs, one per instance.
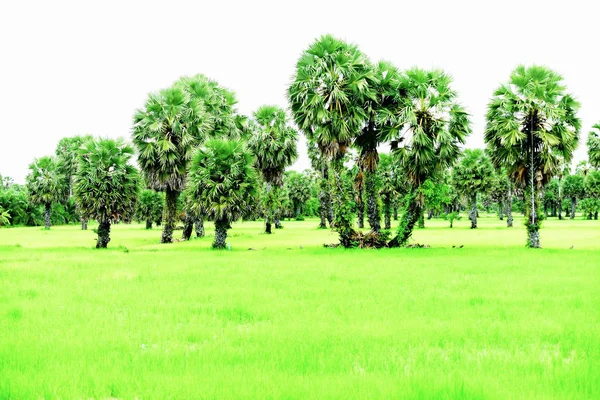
{"points": [[193, 145]]}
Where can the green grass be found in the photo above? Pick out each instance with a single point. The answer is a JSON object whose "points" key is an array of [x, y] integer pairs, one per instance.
{"points": [[294, 320]]}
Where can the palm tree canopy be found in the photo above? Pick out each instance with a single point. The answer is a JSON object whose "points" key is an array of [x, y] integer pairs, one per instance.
{"points": [[106, 184], [473, 173], [593, 144], [165, 132], [333, 79], [45, 182], [273, 143], [222, 180], [433, 125], [532, 111]]}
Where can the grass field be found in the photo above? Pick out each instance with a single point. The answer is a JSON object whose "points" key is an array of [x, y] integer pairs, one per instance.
{"points": [[294, 320]]}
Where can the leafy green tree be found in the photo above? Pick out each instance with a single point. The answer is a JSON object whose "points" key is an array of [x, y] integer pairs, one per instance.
{"points": [[498, 191], [593, 144], [222, 184], [105, 184], [274, 147], [473, 175], [165, 132], [389, 187], [4, 217], [531, 126], [331, 83], [45, 185], [434, 127], [149, 207], [551, 198], [592, 189], [573, 189], [14, 200], [298, 186]]}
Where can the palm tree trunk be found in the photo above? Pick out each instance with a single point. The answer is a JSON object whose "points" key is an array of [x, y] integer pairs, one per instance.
{"points": [[559, 201], [188, 226], [508, 209], [323, 196], [342, 210], [84, 223], [501, 211], [413, 210], [103, 234], [148, 224], [278, 222], [372, 204], [47, 208], [360, 210], [169, 215], [573, 206], [533, 222], [268, 225], [199, 224], [395, 212], [220, 233], [473, 212], [387, 214]]}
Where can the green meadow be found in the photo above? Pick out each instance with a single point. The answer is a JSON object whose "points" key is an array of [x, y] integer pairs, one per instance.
{"points": [[282, 317]]}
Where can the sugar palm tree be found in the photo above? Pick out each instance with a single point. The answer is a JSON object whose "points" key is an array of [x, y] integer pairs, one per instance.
{"points": [[472, 176], [433, 127], [573, 189], [380, 108], [273, 144], [105, 184], [222, 184], [593, 144], [165, 132], [298, 188], [66, 153], [149, 205], [331, 83], [531, 124], [46, 184]]}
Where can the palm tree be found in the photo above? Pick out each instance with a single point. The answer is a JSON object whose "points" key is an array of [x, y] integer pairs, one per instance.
{"points": [[46, 184], [593, 144], [473, 175], [592, 189], [381, 119], [531, 124], [434, 126], [298, 187], [66, 153], [332, 81], [222, 184], [274, 147], [165, 133], [149, 205], [105, 184]]}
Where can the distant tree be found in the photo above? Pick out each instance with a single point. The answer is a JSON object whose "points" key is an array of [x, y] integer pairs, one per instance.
{"points": [[149, 207], [592, 191], [593, 144], [45, 185], [331, 83], [573, 189], [319, 163], [532, 126], [473, 175], [499, 193], [222, 184], [389, 187], [298, 187], [4, 217], [273, 144], [435, 126], [105, 184], [165, 132], [551, 198]]}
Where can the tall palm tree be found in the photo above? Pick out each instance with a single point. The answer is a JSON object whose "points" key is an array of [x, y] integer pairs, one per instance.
{"points": [[381, 119], [273, 144], [433, 127], [165, 132], [332, 81], [473, 175], [222, 184], [593, 144], [46, 184], [105, 184], [531, 123]]}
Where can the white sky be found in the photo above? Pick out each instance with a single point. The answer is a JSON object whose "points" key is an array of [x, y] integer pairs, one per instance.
{"points": [[77, 67]]}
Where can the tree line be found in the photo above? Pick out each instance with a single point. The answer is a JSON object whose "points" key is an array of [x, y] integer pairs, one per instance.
{"points": [[198, 158]]}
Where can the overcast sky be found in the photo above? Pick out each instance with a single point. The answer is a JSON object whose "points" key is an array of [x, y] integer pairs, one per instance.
{"points": [[69, 68]]}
